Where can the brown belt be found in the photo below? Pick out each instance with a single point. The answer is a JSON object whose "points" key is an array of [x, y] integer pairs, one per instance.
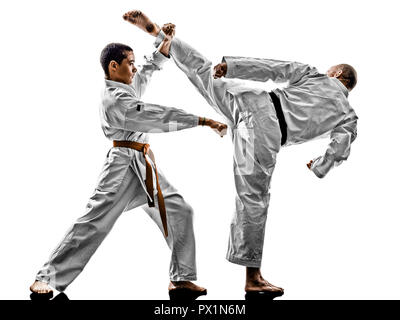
{"points": [[145, 148]]}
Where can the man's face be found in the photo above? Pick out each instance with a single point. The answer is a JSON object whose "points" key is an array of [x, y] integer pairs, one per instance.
{"points": [[125, 71], [334, 72]]}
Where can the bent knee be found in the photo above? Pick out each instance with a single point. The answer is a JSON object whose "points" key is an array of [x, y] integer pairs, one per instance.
{"points": [[189, 212], [186, 213]]}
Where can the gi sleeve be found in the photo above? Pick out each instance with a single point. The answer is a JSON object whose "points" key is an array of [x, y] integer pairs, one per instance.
{"points": [[152, 63], [130, 114], [339, 147], [266, 69]]}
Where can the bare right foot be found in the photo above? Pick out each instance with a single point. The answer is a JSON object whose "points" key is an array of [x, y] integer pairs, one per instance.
{"points": [[256, 286], [40, 287], [142, 21], [255, 282]]}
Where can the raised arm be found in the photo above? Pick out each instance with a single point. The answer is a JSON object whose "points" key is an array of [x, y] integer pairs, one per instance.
{"points": [[339, 147], [262, 69], [152, 63]]}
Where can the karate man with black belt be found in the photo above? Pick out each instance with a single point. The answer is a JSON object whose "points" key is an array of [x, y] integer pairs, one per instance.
{"points": [[313, 105]]}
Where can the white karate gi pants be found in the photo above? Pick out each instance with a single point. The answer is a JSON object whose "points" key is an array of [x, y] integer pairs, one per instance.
{"points": [[256, 137], [103, 209]]}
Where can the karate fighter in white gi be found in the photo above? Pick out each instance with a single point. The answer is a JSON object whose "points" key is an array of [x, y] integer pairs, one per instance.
{"points": [[312, 105], [128, 177]]}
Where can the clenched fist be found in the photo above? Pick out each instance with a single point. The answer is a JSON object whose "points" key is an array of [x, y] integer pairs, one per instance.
{"points": [[220, 70], [218, 127], [169, 30]]}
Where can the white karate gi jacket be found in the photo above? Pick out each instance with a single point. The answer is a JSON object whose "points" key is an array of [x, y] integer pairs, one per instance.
{"points": [[313, 104], [125, 117]]}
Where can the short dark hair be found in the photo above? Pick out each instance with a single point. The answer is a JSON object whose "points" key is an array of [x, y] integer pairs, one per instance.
{"points": [[349, 75], [113, 51]]}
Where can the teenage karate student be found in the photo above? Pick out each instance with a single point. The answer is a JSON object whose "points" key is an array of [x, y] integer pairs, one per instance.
{"points": [[130, 178]]}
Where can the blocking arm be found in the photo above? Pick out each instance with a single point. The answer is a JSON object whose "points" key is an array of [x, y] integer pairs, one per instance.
{"points": [[338, 149]]}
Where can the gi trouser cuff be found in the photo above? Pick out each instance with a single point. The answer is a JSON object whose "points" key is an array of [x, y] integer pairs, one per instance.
{"points": [[183, 278], [244, 262]]}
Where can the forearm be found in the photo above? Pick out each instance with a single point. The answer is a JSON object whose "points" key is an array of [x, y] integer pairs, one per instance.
{"points": [[246, 69], [321, 166], [164, 47], [203, 121], [154, 62], [157, 118], [338, 149], [170, 120]]}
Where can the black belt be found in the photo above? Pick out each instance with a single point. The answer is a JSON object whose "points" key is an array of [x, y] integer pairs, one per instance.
{"points": [[280, 116]]}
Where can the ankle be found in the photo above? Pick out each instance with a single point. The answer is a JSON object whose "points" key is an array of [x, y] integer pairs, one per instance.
{"points": [[156, 30], [253, 273], [179, 282]]}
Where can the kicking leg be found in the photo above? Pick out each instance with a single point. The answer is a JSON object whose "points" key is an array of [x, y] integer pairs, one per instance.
{"points": [[140, 20], [199, 71], [197, 68]]}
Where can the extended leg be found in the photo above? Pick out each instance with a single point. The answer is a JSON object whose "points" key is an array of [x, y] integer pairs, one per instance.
{"points": [[86, 234], [199, 71]]}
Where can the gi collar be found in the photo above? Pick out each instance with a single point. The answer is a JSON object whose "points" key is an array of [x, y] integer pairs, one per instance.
{"points": [[342, 87], [112, 83]]}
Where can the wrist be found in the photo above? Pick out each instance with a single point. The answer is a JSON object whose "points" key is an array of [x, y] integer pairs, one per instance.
{"points": [[156, 30], [164, 48], [224, 68], [203, 121]]}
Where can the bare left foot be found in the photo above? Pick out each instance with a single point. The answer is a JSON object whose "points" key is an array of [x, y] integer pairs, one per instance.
{"points": [[269, 284], [256, 283], [40, 287], [262, 286], [142, 21]]}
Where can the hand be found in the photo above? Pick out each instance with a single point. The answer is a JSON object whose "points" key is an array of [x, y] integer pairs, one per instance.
{"points": [[169, 30], [220, 70], [309, 164], [218, 127]]}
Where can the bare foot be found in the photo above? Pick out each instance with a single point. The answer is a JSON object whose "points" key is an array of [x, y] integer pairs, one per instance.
{"points": [[255, 282], [173, 285], [40, 287], [143, 22], [267, 283], [253, 286]]}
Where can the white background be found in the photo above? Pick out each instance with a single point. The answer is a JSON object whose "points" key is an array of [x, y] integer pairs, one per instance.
{"points": [[331, 238]]}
